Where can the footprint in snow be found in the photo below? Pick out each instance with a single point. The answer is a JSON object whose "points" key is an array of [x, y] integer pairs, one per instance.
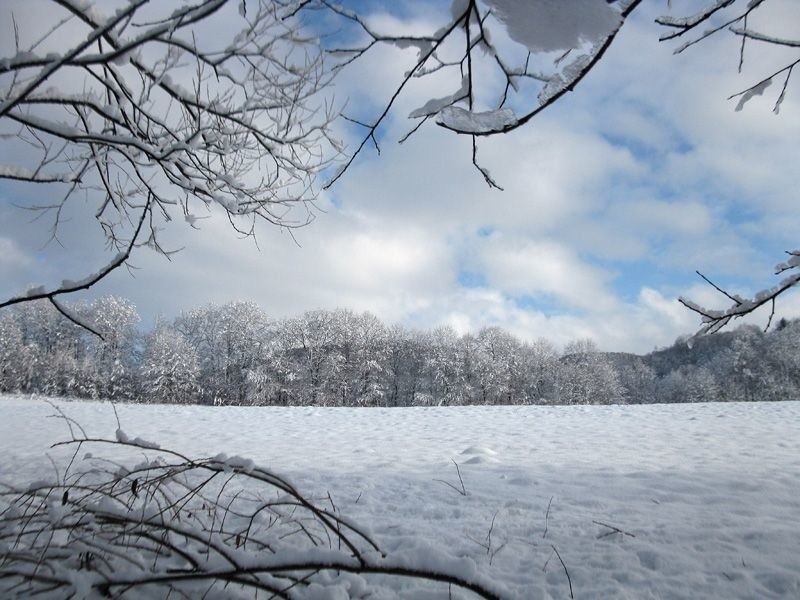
{"points": [[479, 455], [477, 460], [479, 450]]}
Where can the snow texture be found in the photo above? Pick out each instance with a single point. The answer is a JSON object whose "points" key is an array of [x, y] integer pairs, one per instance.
{"points": [[757, 90], [434, 105], [460, 119], [704, 496], [570, 73], [14, 172], [555, 25], [692, 20]]}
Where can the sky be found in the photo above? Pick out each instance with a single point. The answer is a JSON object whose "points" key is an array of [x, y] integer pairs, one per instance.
{"points": [[612, 198]]}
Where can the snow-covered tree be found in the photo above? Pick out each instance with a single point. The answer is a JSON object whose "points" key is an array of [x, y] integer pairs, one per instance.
{"points": [[746, 369], [638, 380], [309, 341], [784, 355], [112, 359], [344, 358], [688, 383], [495, 359], [362, 343], [230, 341], [586, 376], [270, 379], [540, 364], [56, 348], [17, 358], [399, 385], [169, 368], [443, 380]]}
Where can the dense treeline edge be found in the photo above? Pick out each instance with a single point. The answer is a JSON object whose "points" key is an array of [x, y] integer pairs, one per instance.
{"points": [[236, 354]]}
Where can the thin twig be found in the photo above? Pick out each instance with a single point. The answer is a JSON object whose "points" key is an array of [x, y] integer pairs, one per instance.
{"points": [[462, 490], [546, 517], [569, 579], [613, 530]]}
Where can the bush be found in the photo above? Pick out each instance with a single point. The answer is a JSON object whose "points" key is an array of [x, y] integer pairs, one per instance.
{"points": [[168, 525]]}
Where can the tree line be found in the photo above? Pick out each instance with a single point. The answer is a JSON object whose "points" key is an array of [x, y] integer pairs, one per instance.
{"points": [[236, 354]]}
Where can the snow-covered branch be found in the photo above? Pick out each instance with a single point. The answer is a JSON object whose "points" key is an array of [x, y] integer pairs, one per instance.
{"points": [[532, 28], [68, 286], [735, 22], [140, 112], [760, 37], [714, 320], [733, 19]]}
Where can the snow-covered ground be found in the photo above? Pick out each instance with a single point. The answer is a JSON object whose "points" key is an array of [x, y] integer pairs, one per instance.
{"points": [[708, 495]]}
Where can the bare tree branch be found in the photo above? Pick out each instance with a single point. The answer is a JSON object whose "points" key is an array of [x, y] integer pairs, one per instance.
{"points": [[69, 287], [714, 320], [145, 118], [457, 112]]}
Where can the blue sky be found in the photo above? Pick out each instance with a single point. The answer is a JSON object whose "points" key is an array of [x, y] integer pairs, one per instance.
{"points": [[613, 197]]}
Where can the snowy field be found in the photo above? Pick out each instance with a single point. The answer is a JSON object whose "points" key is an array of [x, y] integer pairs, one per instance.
{"points": [[707, 495]]}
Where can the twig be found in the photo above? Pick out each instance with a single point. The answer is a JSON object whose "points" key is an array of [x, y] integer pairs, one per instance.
{"points": [[496, 552], [569, 579], [487, 543], [613, 530], [491, 528], [462, 490], [546, 517], [71, 287], [330, 499], [116, 416]]}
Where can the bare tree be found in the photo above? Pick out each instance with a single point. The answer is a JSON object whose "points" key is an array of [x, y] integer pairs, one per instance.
{"points": [[143, 112]]}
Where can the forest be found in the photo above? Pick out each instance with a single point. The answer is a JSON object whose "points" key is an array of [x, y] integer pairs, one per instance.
{"points": [[236, 354]]}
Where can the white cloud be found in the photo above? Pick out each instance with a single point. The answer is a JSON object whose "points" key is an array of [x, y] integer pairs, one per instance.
{"points": [[12, 257], [533, 267], [651, 320], [551, 174], [660, 217]]}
